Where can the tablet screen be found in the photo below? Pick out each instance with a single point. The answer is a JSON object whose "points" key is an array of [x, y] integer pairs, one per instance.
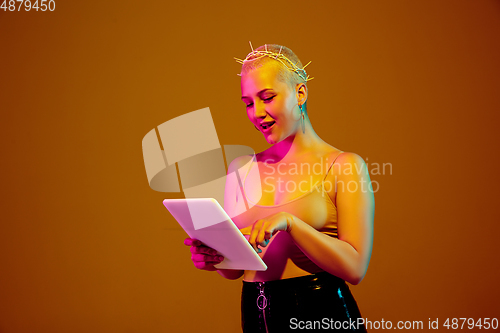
{"points": [[204, 219]]}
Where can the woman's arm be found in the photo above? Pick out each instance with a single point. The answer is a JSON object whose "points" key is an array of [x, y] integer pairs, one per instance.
{"points": [[348, 256]]}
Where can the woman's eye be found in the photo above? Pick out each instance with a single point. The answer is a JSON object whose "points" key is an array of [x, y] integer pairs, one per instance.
{"points": [[268, 99], [249, 105]]}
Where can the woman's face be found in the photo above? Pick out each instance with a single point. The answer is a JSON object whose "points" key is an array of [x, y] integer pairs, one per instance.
{"points": [[271, 104]]}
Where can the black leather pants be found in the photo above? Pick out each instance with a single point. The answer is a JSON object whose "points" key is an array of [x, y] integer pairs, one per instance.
{"points": [[313, 303]]}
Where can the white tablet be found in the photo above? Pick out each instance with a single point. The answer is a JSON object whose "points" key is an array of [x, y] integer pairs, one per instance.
{"points": [[204, 219]]}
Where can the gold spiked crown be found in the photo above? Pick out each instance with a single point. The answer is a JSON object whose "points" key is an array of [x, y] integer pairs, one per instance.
{"points": [[257, 54]]}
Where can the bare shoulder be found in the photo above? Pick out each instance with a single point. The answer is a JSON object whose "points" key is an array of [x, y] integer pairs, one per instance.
{"points": [[349, 163], [350, 158]]}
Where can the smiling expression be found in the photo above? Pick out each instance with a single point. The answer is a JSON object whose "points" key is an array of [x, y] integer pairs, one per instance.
{"points": [[271, 104]]}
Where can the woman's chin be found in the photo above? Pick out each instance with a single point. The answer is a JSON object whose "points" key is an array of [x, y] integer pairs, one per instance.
{"points": [[271, 140], [274, 138]]}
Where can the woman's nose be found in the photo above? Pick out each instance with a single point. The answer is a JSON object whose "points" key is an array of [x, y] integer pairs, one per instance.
{"points": [[259, 110]]}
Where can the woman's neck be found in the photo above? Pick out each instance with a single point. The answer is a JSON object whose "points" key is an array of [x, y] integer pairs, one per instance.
{"points": [[298, 143]]}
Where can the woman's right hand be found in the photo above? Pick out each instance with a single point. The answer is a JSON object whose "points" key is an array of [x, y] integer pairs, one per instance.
{"points": [[203, 257]]}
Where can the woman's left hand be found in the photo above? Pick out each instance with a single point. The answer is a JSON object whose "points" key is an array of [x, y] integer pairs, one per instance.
{"points": [[262, 230]]}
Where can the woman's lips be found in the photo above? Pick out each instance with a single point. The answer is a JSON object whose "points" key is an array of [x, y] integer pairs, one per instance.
{"points": [[266, 127]]}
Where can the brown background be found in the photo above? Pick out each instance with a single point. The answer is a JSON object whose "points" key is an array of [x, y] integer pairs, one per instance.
{"points": [[86, 246]]}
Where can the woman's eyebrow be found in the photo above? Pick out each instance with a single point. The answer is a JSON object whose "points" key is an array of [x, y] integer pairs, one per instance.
{"points": [[260, 93]]}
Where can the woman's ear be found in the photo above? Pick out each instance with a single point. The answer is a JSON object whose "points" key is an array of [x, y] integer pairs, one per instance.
{"points": [[301, 93]]}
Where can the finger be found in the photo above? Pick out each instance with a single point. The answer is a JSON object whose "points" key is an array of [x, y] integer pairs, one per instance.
{"points": [[246, 230], [264, 243], [255, 232], [204, 266], [203, 250], [252, 235], [270, 232], [262, 233], [198, 257], [192, 242]]}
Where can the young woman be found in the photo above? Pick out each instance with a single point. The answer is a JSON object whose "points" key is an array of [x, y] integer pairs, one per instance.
{"points": [[305, 206]]}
